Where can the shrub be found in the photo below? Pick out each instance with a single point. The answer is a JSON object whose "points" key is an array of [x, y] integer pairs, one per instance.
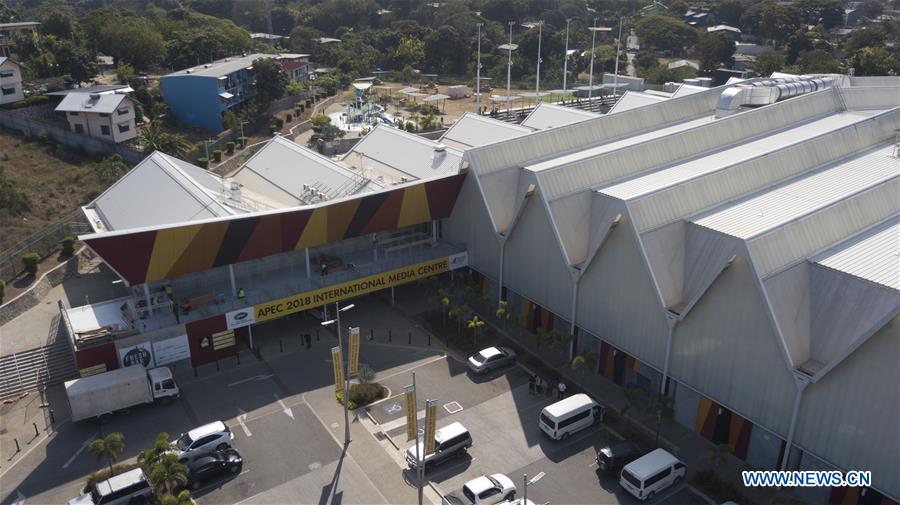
{"points": [[242, 142], [289, 117], [2, 290], [364, 394], [30, 261], [202, 162], [30, 101], [340, 399], [279, 123], [43, 136], [217, 155], [68, 246], [229, 148], [308, 102]]}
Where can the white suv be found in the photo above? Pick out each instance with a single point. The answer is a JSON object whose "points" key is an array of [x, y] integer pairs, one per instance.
{"points": [[203, 440]]}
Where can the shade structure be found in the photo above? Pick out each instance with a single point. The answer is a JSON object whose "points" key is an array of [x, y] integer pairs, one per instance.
{"points": [[504, 98], [436, 97], [560, 91], [362, 86], [535, 94], [409, 90]]}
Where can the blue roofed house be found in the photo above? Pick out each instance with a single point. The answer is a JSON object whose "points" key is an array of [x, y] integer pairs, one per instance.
{"points": [[199, 96]]}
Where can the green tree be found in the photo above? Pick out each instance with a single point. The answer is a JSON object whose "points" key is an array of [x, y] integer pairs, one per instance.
{"points": [[715, 49], [476, 325], [768, 62], [771, 20], [366, 374], [125, 73], [818, 62], [193, 38], [584, 362], [108, 448], [407, 75], [319, 121], [110, 169], [157, 138], [167, 473], [871, 8], [829, 12], [633, 398], [665, 33], [126, 37], [411, 51], [870, 37], [148, 457], [182, 498], [14, 198], [874, 61], [271, 80]]}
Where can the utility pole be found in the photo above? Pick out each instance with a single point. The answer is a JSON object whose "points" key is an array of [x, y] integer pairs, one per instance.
{"points": [[616, 70], [566, 58], [593, 43], [478, 73], [509, 68], [338, 310], [537, 85]]}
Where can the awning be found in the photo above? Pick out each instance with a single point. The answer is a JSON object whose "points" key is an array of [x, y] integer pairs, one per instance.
{"points": [[362, 86], [436, 97], [409, 90], [226, 95], [504, 98]]}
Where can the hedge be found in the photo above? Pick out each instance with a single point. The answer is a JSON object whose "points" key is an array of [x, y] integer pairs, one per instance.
{"points": [[30, 261]]}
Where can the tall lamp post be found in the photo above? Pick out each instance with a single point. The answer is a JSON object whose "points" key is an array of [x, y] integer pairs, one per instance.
{"points": [[566, 58], [478, 73], [616, 70], [510, 48], [337, 320], [594, 31], [531, 482], [537, 85]]}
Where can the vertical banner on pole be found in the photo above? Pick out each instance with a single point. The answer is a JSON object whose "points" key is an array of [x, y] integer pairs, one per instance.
{"points": [[337, 361], [353, 366], [411, 424], [430, 424]]}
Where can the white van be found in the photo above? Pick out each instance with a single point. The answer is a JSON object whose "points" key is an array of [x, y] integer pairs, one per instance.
{"points": [[569, 415], [651, 473]]}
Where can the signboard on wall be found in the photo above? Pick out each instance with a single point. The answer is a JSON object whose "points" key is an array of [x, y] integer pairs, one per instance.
{"points": [[239, 318], [139, 354], [357, 287], [171, 350]]}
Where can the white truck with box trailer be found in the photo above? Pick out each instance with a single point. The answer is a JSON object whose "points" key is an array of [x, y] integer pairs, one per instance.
{"points": [[102, 394]]}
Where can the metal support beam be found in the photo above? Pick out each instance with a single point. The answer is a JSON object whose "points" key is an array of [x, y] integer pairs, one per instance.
{"points": [[502, 249], [233, 284], [308, 269], [250, 334], [671, 321], [801, 385]]}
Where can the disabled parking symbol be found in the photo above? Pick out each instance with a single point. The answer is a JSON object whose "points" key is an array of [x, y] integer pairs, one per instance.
{"points": [[392, 408]]}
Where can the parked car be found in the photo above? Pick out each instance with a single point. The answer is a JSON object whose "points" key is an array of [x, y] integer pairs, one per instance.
{"points": [[131, 488], [215, 436], [491, 358], [450, 441], [213, 466], [613, 457], [484, 490], [570, 415], [651, 473]]}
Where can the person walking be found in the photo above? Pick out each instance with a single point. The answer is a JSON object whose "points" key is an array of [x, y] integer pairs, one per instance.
{"points": [[561, 390]]}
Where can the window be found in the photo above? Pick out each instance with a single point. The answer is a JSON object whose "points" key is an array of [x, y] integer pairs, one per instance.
{"points": [[122, 111], [9, 91], [104, 129], [574, 419], [679, 466], [490, 492], [104, 114], [157, 387], [631, 479], [547, 421], [7, 73], [73, 113], [168, 384], [658, 477], [124, 127], [79, 128]]}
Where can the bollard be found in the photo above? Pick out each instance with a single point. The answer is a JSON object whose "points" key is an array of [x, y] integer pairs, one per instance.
{"points": [[217, 365], [429, 339], [195, 371], [409, 338], [317, 334], [280, 345], [18, 450], [36, 432], [52, 417]]}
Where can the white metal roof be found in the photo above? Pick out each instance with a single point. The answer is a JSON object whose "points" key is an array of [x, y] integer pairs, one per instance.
{"points": [[789, 201], [564, 406], [634, 99], [101, 103], [873, 255], [222, 67], [548, 115], [389, 155], [475, 130]]}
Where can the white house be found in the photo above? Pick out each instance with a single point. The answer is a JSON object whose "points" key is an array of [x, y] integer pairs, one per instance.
{"points": [[10, 81], [107, 116]]}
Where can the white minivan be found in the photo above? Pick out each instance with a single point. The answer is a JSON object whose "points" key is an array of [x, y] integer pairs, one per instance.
{"points": [[651, 473], [569, 415]]}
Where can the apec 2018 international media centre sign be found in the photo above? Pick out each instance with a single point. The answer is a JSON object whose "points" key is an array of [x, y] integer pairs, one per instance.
{"points": [[356, 287]]}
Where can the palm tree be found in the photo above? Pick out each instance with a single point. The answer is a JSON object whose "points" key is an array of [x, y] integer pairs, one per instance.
{"points": [[182, 498], [445, 301], [502, 312], [633, 396], [108, 448], [161, 445], [718, 454], [167, 473], [584, 361], [156, 138], [475, 324], [414, 118]]}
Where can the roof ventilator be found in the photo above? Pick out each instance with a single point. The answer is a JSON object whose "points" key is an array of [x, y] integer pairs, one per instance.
{"points": [[766, 92]]}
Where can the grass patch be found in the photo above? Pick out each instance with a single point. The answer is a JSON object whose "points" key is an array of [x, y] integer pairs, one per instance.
{"points": [[362, 394]]}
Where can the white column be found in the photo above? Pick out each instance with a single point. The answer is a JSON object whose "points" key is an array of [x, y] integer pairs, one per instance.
{"points": [[801, 385], [392, 296], [308, 270], [233, 284], [147, 299], [250, 334], [502, 248], [433, 231]]}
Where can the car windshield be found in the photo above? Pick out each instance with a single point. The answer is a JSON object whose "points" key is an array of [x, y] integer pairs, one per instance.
{"points": [[469, 494], [481, 357], [494, 482], [184, 442], [631, 479], [549, 422]]}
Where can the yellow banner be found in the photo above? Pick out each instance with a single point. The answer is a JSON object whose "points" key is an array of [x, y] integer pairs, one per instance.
{"points": [[337, 362], [430, 425], [353, 366], [411, 424], [363, 285]]}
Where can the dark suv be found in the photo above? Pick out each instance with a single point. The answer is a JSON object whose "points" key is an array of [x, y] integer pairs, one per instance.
{"points": [[611, 458]]}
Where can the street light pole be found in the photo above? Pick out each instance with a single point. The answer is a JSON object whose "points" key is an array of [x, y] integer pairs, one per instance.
{"points": [[537, 85], [566, 57], [478, 73], [346, 401], [593, 42], [527, 483], [616, 70], [509, 69]]}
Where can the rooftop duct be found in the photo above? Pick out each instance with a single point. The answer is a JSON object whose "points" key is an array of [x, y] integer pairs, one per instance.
{"points": [[766, 92]]}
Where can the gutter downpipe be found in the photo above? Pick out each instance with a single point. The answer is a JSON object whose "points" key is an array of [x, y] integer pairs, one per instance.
{"points": [[671, 321], [502, 250], [801, 380], [576, 272]]}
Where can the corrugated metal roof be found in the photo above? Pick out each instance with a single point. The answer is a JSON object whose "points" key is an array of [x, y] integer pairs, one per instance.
{"points": [[547, 115], [698, 167], [105, 103], [634, 99], [775, 207], [474, 130], [222, 67], [873, 255], [393, 154]]}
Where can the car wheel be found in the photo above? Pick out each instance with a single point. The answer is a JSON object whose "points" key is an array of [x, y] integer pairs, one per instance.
{"points": [[677, 481], [651, 495], [234, 469], [222, 446]]}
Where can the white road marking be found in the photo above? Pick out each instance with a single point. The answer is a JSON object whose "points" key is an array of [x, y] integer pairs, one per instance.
{"points": [[241, 419], [674, 490], [284, 408], [20, 498], [430, 361], [248, 379], [79, 451]]}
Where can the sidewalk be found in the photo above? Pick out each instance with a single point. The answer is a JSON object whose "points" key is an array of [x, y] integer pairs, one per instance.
{"points": [[18, 421]]}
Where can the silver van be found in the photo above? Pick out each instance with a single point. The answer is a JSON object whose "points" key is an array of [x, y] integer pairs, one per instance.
{"points": [[129, 488], [569, 416], [449, 441], [651, 473]]}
